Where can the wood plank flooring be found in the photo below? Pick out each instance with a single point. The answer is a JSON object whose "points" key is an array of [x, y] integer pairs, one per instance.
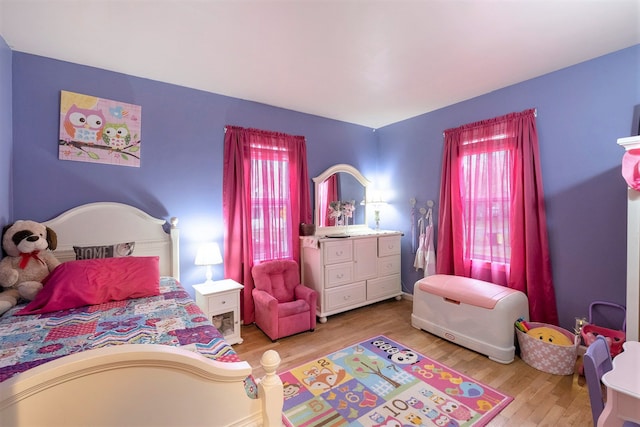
{"points": [[540, 399]]}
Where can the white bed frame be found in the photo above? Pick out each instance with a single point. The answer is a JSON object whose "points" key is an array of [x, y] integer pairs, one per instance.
{"points": [[136, 384]]}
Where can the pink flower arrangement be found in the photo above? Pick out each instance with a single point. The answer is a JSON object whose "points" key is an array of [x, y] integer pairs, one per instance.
{"points": [[345, 209]]}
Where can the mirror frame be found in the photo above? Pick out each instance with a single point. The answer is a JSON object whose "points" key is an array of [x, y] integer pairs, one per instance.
{"points": [[342, 167]]}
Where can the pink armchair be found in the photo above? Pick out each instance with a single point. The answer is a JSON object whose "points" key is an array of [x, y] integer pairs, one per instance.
{"points": [[283, 305]]}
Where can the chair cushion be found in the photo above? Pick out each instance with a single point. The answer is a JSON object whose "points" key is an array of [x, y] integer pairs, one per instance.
{"points": [[278, 278], [287, 309]]}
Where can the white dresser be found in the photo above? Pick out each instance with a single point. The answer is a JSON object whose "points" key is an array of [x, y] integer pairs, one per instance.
{"points": [[351, 272]]}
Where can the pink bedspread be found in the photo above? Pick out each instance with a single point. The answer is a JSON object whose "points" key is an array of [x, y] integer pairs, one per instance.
{"points": [[171, 318]]}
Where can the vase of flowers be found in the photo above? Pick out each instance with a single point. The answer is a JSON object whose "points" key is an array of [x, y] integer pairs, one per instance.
{"points": [[341, 211], [335, 212], [348, 207]]}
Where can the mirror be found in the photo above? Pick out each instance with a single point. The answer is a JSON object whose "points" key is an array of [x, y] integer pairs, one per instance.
{"points": [[340, 183]]}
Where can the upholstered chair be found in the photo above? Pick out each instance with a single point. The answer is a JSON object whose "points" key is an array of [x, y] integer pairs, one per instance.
{"points": [[283, 306]]}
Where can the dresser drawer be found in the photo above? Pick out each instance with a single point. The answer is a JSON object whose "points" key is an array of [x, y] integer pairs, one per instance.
{"points": [[222, 302], [338, 274], [388, 265], [384, 286], [338, 251], [346, 296], [389, 245]]}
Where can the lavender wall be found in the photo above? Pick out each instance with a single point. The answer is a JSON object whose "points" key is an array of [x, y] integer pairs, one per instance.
{"points": [[6, 136], [182, 148], [582, 110]]}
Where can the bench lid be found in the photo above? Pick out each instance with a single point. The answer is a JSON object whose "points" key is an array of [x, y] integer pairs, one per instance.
{"points": [[465, 290]]}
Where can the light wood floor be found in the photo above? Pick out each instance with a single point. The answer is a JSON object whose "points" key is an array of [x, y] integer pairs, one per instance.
{"points": [[540, 399]]}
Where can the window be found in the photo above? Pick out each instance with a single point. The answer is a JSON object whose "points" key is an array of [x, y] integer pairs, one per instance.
{"points": [[270, 204], [486, 170]]}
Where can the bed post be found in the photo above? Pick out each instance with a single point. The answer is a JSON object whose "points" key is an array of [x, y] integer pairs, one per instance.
{"points": [[175, 248], [270, 388]]}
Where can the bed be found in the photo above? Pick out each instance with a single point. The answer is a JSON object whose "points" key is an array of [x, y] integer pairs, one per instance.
{"points": [[146, 360]]}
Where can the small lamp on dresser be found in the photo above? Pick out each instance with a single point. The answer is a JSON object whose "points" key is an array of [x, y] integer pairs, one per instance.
{"points": [[209, 254], [377, 202]]}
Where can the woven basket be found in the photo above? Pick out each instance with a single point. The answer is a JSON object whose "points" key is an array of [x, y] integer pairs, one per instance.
{"points": [[546, 357], [307, 229]]}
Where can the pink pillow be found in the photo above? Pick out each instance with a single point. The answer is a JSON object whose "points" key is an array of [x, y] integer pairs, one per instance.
{"points": [[95, 281]]}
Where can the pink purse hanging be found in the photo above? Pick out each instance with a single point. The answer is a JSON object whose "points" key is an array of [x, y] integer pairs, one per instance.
{"points": [[631, 168]]}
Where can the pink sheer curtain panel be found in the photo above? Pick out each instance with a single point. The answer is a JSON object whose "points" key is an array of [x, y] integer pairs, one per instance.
{"points": [[265, 198], [328, 193], [492, 221]]}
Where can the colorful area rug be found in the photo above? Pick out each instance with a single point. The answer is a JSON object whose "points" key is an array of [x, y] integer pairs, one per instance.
{"points": [[380, 382]]}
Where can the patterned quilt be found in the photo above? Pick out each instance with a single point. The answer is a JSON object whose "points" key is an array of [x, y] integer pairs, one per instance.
{"points": [[171, 318]]}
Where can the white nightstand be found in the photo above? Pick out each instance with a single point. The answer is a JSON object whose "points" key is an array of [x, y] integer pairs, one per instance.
{"points": [[220, 302]]}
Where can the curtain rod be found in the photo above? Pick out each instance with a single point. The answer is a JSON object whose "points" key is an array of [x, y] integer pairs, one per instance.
{"points": [[535, 114]]}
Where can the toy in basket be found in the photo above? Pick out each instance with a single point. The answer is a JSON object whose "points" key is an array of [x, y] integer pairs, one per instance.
{"points": [[547, 348], [614, 338]]}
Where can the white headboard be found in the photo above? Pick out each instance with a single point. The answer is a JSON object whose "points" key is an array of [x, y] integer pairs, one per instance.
{"points": [[110, 223]]}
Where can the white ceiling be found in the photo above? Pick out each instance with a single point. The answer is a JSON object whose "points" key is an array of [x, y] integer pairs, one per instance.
{"points": [[360, 61]]}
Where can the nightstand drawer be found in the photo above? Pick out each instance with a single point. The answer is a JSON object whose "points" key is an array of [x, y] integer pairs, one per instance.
{"points": [[222, 302]]}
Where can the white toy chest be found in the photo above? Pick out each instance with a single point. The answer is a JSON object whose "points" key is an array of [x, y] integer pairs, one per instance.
{"points": [[469, 312]]}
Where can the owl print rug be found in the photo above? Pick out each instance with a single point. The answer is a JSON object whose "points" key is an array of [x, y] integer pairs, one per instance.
{"points": [[380, 382]]}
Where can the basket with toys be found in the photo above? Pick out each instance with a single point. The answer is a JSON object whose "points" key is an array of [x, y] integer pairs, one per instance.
{"points": [[547, 348], [614, 337]]}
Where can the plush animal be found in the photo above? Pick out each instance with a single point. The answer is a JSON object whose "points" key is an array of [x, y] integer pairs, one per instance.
{"points": [[550, 335], [28, 260]]}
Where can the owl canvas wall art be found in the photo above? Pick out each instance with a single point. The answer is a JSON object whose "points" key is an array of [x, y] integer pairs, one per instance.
{"points": [[99, 130]]}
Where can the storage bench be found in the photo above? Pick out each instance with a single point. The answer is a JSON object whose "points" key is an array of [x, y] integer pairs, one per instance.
{"points": [[469, 312]]}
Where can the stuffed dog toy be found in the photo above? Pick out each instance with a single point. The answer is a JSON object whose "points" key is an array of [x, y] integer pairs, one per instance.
{"points": [[27, 246]]}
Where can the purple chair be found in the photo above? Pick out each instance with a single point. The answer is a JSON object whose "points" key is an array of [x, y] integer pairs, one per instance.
{"points": [[283, 306], [597, 362]]}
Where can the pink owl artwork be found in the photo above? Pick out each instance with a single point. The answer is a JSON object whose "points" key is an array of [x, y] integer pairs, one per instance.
{"points": [[84, 125], [98, 130]]}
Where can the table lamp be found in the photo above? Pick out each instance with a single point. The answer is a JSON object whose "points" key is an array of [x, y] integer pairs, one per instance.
{"points": [[377, 202], [209, 254]]}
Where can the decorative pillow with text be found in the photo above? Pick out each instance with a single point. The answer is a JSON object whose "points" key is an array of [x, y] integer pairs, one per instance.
{"points": [[105, 251]]}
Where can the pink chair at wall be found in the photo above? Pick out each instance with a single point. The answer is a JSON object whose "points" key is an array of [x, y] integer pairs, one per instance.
{"points": [[283, 305]]}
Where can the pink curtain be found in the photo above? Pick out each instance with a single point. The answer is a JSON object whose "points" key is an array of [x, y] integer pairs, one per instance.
{"points": [[492, 221], [256, 163], [328, 192]]}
